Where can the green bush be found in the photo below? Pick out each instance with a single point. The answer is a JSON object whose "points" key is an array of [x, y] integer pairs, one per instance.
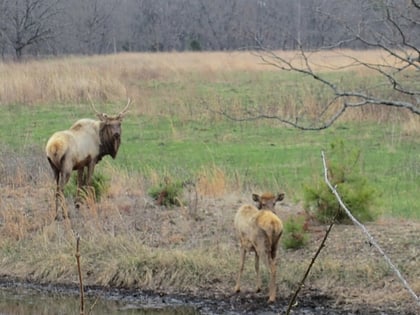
{"points": [[167, 194], [295, 233], [345, 174], [100, 184]]}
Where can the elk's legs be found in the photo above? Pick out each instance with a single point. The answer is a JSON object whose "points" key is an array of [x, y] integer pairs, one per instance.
{"points": [[78, 201]]}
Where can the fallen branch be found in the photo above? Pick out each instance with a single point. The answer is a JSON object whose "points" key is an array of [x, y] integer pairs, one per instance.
{"points": [[371, 239]]}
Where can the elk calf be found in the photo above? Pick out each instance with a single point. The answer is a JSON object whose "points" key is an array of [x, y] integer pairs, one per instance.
{"points": [[259, 230], [82, 146]]}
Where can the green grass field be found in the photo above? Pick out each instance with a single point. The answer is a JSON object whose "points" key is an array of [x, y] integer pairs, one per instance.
{"points": [[258, 155]]}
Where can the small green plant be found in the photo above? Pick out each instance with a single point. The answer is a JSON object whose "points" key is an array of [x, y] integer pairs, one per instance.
{"points": [[295, 233], [345, 174], [100, 184], [167, 194]]}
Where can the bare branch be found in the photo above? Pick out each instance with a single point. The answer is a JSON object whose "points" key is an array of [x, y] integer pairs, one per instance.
{"points": [[363, 228], [295, 124], [401, 75], [417, 5]]}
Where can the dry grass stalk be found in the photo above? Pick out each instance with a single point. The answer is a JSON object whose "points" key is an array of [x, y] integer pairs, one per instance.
{"points": [[212, 182], [79, 271]]}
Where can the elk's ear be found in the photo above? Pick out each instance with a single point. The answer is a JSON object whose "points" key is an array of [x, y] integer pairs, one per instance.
{"points": [[255, 197], [102, 116], [280, 197]]}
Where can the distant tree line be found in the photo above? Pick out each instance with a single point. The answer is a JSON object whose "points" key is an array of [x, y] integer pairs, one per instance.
{"points": [[57, 27]]}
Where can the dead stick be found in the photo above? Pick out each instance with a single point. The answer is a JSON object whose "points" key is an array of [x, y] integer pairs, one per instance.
{"points": [[82, 303], [302, 282]]}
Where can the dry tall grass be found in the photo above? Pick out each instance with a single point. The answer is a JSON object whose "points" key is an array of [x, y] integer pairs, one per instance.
{"points": [[114, 78], [105, 77]]}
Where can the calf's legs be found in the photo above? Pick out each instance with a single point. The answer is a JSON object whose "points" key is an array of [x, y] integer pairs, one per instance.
{"points": [[241, 269]]}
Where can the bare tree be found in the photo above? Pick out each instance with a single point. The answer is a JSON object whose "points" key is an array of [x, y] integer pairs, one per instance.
{"points": [[76, 26], [27, 23], [392, 27], [92, 25]]}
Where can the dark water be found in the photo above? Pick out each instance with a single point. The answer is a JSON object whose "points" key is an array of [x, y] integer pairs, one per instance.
{"points": [[22, 298], [27, 301]]}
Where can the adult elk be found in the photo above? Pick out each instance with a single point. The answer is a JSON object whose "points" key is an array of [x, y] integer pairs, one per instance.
{"points": [[80, 147], [259, 230]]}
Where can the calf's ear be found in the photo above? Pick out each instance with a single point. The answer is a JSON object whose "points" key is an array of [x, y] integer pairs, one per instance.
{"points": [[280, 197], [255, 197]]}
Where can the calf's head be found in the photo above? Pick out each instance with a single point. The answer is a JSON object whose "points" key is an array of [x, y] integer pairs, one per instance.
{"points": [[267, 200]]}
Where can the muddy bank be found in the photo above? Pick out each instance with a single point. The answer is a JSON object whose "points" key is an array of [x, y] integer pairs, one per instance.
{"points": [[310, 302]]}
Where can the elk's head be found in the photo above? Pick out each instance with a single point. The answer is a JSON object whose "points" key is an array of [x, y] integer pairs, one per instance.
{"points": [[267, 200], [110, 131]]}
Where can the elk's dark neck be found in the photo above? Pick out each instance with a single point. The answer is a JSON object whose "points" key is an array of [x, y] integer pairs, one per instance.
{"points": [[109, 144]]}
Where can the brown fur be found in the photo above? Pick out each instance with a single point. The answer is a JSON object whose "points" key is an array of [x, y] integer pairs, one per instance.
{"points": [[82, 146], [259, 231]]}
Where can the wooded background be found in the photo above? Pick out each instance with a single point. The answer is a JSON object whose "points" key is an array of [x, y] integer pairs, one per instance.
{"points": [[57, 27]]}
